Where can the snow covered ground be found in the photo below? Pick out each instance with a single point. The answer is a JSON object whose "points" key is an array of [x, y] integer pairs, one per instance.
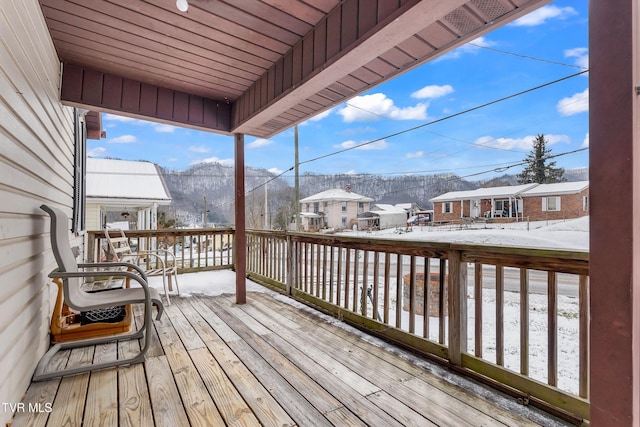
{"points": [[564, 234], [569, 235]]}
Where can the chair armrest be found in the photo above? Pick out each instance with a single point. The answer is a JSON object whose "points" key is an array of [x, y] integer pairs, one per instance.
{"points": [[159, 253], [142, 280], [112, 267]]}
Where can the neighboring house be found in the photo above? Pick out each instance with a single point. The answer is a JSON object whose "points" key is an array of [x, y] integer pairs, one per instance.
{"points": [[557, 201], [533, 201], [483, 202], [411, 209], [335, 208], [124, 186], [382, 216]]}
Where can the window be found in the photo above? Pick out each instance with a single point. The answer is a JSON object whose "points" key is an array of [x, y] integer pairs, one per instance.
{"points": [[307, 207], [344, 206], [551, 204], [446, 207], [325, 206], [344, 221], [316, 207], [585, 203], [79, 167], [360, 207]]}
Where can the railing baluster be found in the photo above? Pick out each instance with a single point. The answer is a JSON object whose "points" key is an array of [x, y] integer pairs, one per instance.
{"points": [[331, 273], [347, 267], [399, 291], [365, 284], [477, 286], [441, 299], [524, 321], [356, 264], [552, 302], [412, 294], [457, 307], [338, 276], [376, 277], [500, 315], [583, 284], [426, 300], [387, 274], [324, 272]]}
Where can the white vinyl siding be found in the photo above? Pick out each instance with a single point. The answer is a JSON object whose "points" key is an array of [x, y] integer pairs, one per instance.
{"points": [[551, 204], [36, 166]]}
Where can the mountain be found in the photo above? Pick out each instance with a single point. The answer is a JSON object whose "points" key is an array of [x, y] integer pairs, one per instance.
{"points": [[215, 182]]}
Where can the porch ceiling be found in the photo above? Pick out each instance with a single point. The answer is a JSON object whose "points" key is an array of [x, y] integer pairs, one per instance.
{"points": [[254, 66]]}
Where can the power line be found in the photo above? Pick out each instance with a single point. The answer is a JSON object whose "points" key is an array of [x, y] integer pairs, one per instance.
{"points": [[519, 55], [495, 101]]}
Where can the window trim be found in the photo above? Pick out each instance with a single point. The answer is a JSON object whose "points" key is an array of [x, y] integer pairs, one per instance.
{"points": [[79, 171]]}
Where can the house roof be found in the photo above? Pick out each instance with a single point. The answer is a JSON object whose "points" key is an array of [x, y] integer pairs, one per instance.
{"points": [[124, 182], [336, 195], [484, 193], [255, 67], [383, 207], [557, 188]]}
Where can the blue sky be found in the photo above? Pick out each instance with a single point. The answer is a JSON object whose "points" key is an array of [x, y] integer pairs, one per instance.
{"points": [[544, 46]]}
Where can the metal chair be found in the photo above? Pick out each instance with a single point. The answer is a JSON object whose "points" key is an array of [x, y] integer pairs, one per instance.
{"points": [[73, 276], [156, 262]]}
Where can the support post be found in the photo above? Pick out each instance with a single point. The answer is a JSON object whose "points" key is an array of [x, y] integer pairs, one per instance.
{"points": [[457, 307], [614, 173], [240, 246]]}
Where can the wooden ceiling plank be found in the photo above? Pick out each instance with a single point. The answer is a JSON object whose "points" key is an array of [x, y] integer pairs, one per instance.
{"points": [[99, 31], [145, 48], [163, 70], [117, 17], [300, 10]]}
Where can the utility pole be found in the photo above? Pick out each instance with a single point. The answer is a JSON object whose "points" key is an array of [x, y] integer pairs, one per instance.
{"points": [[266, 206], [204, 213], [297, 179]]}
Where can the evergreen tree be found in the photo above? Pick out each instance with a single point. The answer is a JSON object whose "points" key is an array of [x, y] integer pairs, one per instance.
{"points": [[539, 169]]}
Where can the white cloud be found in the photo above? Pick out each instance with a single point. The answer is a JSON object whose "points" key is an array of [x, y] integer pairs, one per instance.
{"points": [[577, 103], [275, 171], [224, 162], [581, 55], [376, 106], [162, 128], [96, 152], [199, 149], [432, 92], [542, 15], [322, 115], [471, 47], [260, 142], [415, 155], [524, 143], [585, 141], [123, 139], [376, 145]]}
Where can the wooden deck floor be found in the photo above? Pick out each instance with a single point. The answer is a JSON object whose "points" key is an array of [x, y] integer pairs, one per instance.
{"points": [[265, 363]]}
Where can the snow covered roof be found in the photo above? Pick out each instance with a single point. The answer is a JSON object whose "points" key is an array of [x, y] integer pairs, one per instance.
{"points": [[484, 193], [336, 194], [388, 208], [125, 182], [557, 188]]}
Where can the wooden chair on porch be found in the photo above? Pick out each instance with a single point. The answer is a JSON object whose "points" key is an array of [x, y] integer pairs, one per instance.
{"points": [[74, 278], [158, 262]]}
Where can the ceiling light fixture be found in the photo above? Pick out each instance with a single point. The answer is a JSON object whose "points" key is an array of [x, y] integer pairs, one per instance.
{"points": [[182, 5]]}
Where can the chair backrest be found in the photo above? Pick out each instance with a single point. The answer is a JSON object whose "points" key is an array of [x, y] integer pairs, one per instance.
{"points": [[60, 239], [62, 252], [119, 245]]}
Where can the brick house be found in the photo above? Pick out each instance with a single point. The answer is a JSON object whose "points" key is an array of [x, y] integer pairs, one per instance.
{"points": [[533, 201], [336, 208], [557, 201]]}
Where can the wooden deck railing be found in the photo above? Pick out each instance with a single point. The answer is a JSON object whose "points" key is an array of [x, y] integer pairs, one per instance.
{"points": [[476, 300], [194, 249]]}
